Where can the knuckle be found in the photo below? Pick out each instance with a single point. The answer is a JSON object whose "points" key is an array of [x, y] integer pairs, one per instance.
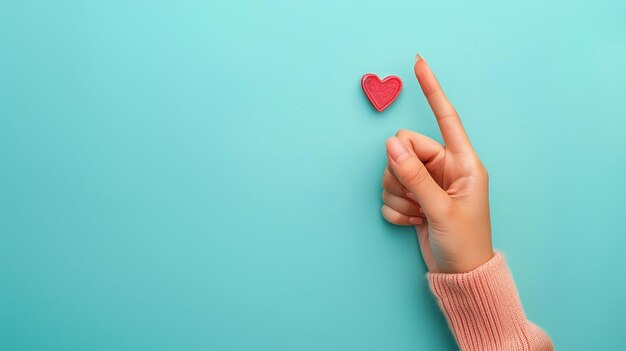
{"points": [[448, 117], [390, 216], [385, 214], [415, 175], [387, 181], [395, 218], [385, 197], [403, 133]]}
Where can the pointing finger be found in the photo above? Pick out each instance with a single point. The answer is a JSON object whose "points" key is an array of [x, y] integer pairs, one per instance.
{"points": [[452, 130]]}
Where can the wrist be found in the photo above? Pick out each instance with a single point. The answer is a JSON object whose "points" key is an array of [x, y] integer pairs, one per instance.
{"points": [[469, 261]]}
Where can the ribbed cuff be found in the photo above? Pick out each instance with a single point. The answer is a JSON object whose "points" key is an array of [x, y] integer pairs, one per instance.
{"points": [[483, 309]]}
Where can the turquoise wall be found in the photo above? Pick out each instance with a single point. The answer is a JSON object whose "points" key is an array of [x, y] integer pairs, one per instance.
{"points": [[205, 174]]}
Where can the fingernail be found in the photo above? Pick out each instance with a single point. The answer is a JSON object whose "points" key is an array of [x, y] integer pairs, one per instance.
{"points": [[396, 149], [417, 57], [410, 196], [415, 220]]}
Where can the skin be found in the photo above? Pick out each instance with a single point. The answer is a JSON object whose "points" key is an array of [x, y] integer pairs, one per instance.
{"points": [[442, 190]]}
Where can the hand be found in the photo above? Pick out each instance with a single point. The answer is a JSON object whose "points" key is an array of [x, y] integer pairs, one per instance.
{"points": [[441, 190]]}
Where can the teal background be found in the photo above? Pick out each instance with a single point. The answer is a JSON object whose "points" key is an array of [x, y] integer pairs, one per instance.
{"points": [[179, 175]]}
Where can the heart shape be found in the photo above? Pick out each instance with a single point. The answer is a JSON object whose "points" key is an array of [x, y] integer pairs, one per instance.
{"points": [[381, 93]]}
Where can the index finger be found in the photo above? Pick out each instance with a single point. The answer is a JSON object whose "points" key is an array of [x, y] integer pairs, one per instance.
{"points": [[452, 130]]}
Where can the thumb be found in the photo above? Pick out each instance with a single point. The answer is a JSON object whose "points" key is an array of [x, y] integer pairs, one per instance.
{"points": [[412, 173]]}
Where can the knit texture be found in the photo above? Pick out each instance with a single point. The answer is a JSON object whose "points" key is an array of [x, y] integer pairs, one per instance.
{"points": [[484, 311]]}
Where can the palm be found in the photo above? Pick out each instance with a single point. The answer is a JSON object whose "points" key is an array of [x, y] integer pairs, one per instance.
{"points": [[451, 171]]}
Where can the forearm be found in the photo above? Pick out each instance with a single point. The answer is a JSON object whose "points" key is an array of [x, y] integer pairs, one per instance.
{"points": [[484, 311]]}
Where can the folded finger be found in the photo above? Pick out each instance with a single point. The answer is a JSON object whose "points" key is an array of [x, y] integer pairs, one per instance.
{"points": [[402, 205], [394, 217], [392, 185]]}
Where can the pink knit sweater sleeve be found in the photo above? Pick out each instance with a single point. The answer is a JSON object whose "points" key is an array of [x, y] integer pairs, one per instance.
{"points": [[484, 311]]}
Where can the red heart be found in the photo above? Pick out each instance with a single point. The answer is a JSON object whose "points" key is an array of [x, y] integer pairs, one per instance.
{"points": [[381, 92]]}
